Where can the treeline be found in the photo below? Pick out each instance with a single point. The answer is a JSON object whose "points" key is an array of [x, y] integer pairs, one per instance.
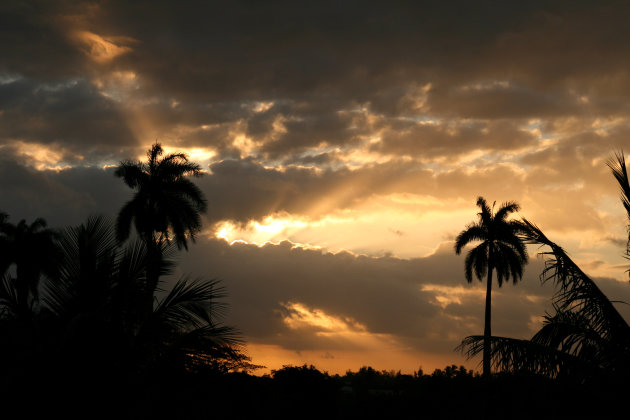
{"points": [[304, 392]]}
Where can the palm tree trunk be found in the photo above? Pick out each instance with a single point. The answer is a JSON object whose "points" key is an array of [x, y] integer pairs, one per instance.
{"points": [[487, 330]]}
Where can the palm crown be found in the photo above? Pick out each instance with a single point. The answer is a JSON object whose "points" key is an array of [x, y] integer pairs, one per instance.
{"points": [[501, 248], [166, 203]]}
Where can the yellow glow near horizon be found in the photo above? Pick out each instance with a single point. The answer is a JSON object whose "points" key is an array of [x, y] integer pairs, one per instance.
{"points": [[339, 361]]}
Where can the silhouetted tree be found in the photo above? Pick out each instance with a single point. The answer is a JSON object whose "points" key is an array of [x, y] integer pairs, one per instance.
{"points": [[32, 249], [620, 172], [96, 297], [585, 337], [166, 206], [501, 250]]}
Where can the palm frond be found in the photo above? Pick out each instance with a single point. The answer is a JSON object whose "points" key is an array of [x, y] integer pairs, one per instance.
{"points": [[191, 304], [473, 232], [524, 356], [8, 296], [477, 261], [505, 210], [619, 170], [132, 173], [578, 292], [485, 215]]}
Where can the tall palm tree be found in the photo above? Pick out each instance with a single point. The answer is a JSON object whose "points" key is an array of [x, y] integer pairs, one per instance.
{"points": [[166, 206], [501, 250], [586, 338]]}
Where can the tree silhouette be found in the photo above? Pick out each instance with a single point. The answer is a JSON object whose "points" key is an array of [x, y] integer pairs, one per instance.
{"points": [[501, 250], [95, 302], [32, 249], [90, 343], [166, 206], [586, 337]]}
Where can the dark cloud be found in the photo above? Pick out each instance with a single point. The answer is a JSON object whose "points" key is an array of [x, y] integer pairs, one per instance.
{"points": [[429, 140], [245, 189], [63, 197], [368, 52], [35, 42], [383, 294], [71, 114], [496, 101], [209, 63]]}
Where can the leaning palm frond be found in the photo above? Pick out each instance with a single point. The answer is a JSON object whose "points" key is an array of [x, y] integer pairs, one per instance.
{"points": [[9, 303], [577, 292], [525, 356], [618, 167]]}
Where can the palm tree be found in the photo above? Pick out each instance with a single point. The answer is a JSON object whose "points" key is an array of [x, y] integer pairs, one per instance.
{"points": [[32, 248], [586, 337], [501, 250], [166, 206], [94, 301]]}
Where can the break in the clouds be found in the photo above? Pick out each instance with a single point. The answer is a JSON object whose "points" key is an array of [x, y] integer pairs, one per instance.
{"points": [[345, 127]]}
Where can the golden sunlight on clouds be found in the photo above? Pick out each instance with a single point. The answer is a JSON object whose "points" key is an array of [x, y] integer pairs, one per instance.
{"points": [[272, 229], [117, 85], [39, 156], [361, 155], [101, 49], [300, 316], [446, 295], [195, 154], [244, 144], [404, 225], [262, 106]]}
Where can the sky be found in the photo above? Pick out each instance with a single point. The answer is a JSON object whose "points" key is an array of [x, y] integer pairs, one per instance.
{"points": [[344, 145]]}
